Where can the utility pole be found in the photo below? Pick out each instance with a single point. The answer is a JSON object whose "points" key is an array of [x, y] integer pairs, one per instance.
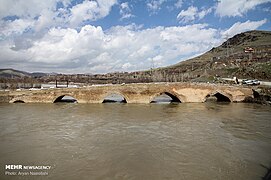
{"points": [[227, 44]]}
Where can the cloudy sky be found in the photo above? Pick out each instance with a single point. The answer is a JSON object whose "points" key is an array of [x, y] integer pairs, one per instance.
{"points": [[99, 36]]}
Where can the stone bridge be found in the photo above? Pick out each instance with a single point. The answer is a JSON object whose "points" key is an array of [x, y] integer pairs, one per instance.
{"points": [[132, 93]]}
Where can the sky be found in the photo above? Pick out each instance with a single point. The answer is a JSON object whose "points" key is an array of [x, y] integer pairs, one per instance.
{"points": [[101, 36]]}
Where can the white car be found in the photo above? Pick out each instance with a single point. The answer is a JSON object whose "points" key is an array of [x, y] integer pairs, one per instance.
{"points": [[251, 82]]}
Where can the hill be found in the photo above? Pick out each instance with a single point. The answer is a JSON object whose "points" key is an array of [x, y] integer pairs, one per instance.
{"points": [[12, 73], [246, 55]]}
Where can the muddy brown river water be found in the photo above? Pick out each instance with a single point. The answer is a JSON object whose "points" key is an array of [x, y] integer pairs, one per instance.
{"points": [[137, 141]]}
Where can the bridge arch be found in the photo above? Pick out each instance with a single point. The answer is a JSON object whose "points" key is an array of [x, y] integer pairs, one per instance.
{"points": [[119, 97], [218, 96], [175, 97], [18, 101], [65, 98]]}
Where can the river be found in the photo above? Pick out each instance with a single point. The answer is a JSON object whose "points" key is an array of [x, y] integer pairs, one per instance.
{"points": [[138, 141]]}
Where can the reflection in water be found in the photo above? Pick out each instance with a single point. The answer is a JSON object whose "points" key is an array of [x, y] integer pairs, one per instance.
{"points": [[135, 141], [65, 99], [114, 98], [18, 101], [217, 97], [165, 98]]}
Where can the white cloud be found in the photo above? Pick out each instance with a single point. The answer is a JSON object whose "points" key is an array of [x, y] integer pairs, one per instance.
{"points": [[178, 4], [192, 13], [16, 27], [188, 15], [122, 48], [84, 11], [242, 27], [155, 5], [31, 8], [46, 19], [125, 11], [232, 8], [90, 10], [267, 9], [204, 12], [43, 15]]}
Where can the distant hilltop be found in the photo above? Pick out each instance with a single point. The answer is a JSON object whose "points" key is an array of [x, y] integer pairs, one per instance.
{"points": [[13, 73], [245, 55]]}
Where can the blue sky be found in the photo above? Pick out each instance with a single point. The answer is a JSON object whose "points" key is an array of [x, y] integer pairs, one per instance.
{"points": [[100, 36]]}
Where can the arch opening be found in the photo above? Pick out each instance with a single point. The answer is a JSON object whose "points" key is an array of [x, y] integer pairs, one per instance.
{"points": [[65, 99], [217, 97], [166, 98], [18, 101], [114, 98]]}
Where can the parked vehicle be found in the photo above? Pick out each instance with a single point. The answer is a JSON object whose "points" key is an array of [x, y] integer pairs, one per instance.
{"points": [[251, 82], [256, 82]]}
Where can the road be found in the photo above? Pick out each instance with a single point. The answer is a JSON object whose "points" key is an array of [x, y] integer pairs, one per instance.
{"points": [[265, 83]]}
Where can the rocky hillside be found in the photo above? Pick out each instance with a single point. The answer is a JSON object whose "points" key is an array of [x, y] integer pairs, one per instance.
{"points": [[246, 55]]}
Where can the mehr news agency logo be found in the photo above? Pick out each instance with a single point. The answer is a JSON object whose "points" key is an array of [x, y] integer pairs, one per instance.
{"points": [[25, 170]]}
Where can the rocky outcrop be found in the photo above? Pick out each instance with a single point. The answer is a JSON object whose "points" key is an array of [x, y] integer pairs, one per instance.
{"points": [[260, 96]]}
